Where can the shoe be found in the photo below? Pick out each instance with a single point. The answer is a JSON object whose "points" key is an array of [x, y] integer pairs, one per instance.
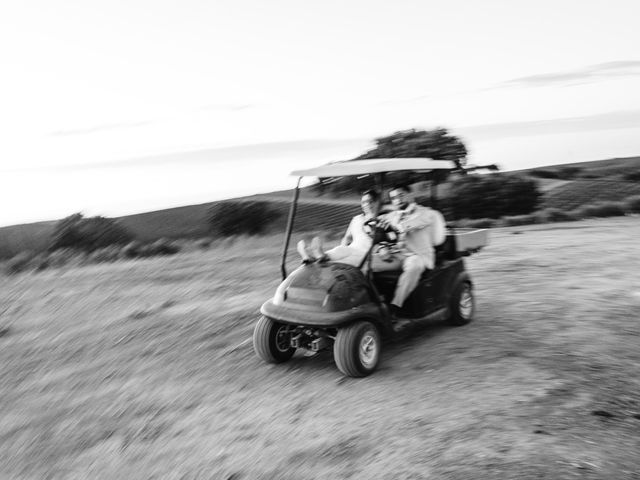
{"points": [[394, 312]]}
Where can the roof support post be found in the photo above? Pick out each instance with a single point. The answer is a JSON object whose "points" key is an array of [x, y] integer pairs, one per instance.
{"points": [[292, 215], [433, 191]]}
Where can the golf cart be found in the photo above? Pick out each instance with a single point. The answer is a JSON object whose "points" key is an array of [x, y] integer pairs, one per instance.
{"points": [[324, 305]]}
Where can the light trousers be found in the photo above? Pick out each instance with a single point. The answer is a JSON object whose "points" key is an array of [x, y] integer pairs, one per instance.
{"points": [[412, 268], [346, 254]]}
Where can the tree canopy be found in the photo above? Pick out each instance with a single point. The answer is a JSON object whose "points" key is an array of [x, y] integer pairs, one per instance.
{"points": [[437, 144], [92, 233]]}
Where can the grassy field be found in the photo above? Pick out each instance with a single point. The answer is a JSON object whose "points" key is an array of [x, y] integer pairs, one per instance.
{"points": [[579, 192], [144, 369]]}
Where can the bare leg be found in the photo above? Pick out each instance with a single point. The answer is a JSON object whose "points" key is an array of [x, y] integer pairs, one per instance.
{"points": [[304, 252], [318, 250]]}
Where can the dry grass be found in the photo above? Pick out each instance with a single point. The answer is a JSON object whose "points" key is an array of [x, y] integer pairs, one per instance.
{"points": [[142, 369]]}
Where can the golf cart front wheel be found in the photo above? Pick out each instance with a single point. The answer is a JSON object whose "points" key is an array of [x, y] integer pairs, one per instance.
{"points": [[356, 349], [462, 304], [272, 341]]}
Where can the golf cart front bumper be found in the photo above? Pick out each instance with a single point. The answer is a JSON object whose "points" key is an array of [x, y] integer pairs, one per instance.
{"points": [[307, 317]]}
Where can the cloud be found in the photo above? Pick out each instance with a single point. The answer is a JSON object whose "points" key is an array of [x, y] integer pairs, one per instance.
{"points": [[604, 121], [125, 125], [236, 153], [100, 128], [588, 74]]}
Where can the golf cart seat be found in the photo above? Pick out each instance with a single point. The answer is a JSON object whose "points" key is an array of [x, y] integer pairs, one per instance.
{"points": [[446, 250], [443, 252]]}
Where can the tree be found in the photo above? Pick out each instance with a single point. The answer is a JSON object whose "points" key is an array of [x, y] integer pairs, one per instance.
{"points": [[437, 144], [234, 217], [88, 234], [492, 196]]}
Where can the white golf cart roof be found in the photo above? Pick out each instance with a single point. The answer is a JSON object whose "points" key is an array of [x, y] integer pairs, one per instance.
{"points": [[376, 165]]}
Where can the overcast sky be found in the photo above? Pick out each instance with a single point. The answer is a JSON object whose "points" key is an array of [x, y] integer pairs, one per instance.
{"points": [[123, 106]]}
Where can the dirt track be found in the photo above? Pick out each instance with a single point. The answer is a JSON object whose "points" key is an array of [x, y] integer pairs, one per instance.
{"points": [[142, 370]]}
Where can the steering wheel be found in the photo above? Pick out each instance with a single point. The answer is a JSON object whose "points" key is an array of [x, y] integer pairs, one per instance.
{"points": [[381, 235]]}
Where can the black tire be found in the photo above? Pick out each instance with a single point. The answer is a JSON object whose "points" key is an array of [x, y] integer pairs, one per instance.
{"points": [[356, 349], [270, 341], [462, 304]]}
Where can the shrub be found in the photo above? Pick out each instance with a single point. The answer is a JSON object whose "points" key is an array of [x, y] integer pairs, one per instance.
{"points": [[88, 234], [632, 176], [544, 173], [131, 250], [204, 243], [235, 217], [589, 175], [162, 247], [492, 196], [602, 209], [562, 173], [555, 215], [633, 204], [40, 262], [19, 263], [62, 257], [159, 247], [586, 211], [516, 220], [569, 173], [105, 254]]}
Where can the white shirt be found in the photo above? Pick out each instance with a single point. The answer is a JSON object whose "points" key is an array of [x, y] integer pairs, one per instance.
{"points": [[359, 238], [422, 229]]}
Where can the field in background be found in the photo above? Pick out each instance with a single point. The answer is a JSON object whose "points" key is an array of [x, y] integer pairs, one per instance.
{"points": [[144, 369], [319, 213], [580, 192]]}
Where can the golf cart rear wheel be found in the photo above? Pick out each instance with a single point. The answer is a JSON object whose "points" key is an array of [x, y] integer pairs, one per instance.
{"points": [[272, 341], [462, 304], [356, 349]]}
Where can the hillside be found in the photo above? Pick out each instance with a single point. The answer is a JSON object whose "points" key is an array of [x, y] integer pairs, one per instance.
{"points": [[564, 186], [600, 168], [584, 191]]}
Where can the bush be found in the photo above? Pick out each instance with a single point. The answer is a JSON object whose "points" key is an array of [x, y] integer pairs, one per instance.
{"points": [[632, 176], [492, 196], [235, 217], [19, 263], [88, 234], [40, 262], [603, 209], [588, 176], [103, 255], [555, 215], [569, 173], [62, 257], [131, 250], [516, 220], [562, 173], [159, 247], [544, 173], [162, 247], [633, 204], [204, 243]]}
